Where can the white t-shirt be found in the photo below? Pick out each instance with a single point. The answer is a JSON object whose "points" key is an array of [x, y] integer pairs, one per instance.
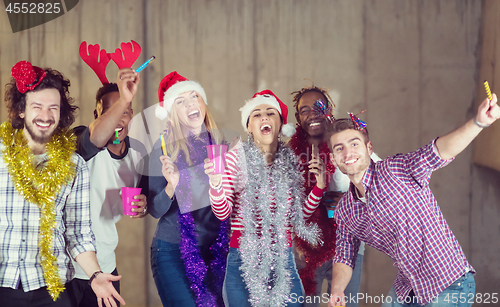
{"points": [[108, 174]]}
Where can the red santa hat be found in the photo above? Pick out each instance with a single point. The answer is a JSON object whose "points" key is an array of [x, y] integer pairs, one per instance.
{"points": [[267, 97], [171, 86], [27, 76]]}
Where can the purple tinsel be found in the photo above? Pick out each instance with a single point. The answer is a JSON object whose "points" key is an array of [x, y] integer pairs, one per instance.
{"points": [[196, 270]]}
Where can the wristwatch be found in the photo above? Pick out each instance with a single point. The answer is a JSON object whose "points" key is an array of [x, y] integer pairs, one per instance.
{"points": [[94, 276]]}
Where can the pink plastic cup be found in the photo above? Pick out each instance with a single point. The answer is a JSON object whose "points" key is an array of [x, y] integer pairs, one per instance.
{"points": [[217, 155], [127, 199]]}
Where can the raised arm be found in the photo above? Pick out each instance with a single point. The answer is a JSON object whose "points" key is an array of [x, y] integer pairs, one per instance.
{"points": [[103, 127], [162, 181], [222, 191], [455, 142], [312, 201]]}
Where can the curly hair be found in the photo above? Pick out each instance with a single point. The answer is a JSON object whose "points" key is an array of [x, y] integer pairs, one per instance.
{"points": [[16, 101], [306, 89], [105, 89]]}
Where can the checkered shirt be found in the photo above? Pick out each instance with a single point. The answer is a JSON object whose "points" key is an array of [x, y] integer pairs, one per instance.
{"points": [[402, 219], [19, 228]]}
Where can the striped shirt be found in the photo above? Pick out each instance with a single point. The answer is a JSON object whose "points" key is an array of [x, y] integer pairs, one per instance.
{"points": [[402, 219], [19, 228], [225, 202]]}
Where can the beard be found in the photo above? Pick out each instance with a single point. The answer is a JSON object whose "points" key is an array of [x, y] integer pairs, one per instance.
{"points": [[360, 167], [42, 138]]}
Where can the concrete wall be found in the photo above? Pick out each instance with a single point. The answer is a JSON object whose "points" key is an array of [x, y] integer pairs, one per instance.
{"points": [[485, 205], [412, 64]]}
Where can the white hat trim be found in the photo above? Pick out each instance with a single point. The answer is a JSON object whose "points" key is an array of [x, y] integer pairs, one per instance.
{"points": [[161, 112], [181, 87], [254, 102]]}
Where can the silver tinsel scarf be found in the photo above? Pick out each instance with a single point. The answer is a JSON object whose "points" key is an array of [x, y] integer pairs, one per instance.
{"points": [[264, 246]]}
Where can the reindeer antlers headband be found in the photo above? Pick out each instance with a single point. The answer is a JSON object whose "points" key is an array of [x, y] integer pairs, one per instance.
{"points": [[98, 58]]}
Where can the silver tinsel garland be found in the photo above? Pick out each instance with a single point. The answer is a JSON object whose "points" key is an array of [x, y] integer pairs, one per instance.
{"points": [[264, 246]]}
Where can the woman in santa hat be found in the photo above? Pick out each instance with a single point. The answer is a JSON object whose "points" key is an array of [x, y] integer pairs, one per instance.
{"points": [[262, 193], [188, 253]]}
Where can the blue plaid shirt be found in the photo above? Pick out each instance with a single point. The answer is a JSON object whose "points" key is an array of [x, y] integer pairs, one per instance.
{"points": [[19, 227], [402, 219]]}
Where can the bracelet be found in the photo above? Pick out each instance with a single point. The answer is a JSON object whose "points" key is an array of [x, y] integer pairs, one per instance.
{"points": [[480, 125], [216, 198], [94, 276], [218, 188]]}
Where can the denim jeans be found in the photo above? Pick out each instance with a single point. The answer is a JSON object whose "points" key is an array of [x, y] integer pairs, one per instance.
{"points": [[169, 274], [235, 292], [352, 288], [461, 293], [325, 272]]}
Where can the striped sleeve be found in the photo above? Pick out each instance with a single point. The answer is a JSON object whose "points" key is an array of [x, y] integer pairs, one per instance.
{"points": [[313, 200], [222, 201]]}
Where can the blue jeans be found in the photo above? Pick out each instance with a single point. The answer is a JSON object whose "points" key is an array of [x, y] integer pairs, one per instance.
{"points": [[461, 293], [325, 272], [352, 288], [235, 292], [169, 274]]}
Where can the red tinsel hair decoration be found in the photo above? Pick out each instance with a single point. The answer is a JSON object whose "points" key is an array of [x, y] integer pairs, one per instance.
{"points": [[360, 125], [323, 109], [27, 76]]}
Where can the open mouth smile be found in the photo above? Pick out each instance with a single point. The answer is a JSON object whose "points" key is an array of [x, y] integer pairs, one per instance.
{"points": [[265, 129], [351, 161], [315, 124], [194, 115], [43, 125]]}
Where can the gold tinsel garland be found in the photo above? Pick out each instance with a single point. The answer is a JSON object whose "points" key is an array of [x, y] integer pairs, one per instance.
{"points": [[40, 187]]}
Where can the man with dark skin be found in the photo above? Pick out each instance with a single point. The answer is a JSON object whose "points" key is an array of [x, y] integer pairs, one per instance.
{"points": [[315, 263], [113, 163]]}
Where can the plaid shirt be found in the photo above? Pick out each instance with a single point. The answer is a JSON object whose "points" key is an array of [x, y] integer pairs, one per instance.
{"points": [[19, 227], [402, 219]]}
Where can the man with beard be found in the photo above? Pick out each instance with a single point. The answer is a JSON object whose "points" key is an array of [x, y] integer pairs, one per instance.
{"points": [[389, 206], [44, 216]]}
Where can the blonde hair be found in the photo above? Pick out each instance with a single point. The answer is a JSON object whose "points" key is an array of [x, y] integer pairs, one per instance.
{"points": [[177, 138]]}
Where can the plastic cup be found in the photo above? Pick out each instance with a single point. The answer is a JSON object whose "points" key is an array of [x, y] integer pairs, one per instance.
{"points": [[217, 155], [127, 199]]}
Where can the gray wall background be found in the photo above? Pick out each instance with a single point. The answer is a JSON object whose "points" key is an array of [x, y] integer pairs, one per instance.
{"points": [[412, 64]]}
